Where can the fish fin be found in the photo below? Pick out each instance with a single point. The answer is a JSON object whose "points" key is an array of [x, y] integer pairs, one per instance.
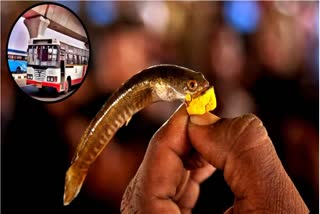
{"points": [[73, 183], [81, 145], [128, 121]]}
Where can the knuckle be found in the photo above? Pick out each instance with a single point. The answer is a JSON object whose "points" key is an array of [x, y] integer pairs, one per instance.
{"points": [[251, 127], [251, 121], [250, 134]]}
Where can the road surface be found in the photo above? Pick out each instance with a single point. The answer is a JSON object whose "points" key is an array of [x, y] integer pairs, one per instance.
{"points": [[46, 95]]}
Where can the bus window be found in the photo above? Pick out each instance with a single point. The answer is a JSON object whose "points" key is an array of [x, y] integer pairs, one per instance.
{"points": [[34, 55], [52, 57], [85, 60], [62, 54], [54, 54], [75, 59], [70, 59], [30, 54], [50, 53], [44, 54]]}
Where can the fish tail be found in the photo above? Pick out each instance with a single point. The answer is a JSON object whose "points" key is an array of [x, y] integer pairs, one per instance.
{"points": [[73, 183]]}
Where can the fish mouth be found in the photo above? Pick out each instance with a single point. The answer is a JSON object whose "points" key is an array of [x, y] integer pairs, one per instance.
{"points": [[202, 91]]}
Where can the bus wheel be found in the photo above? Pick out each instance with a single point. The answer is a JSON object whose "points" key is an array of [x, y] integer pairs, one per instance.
{"points": [[67, 86]]}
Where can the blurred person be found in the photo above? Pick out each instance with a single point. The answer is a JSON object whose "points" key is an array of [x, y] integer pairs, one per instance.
{"points": [[279, 42], [278, 102], [177, 162], [227, 60], [123, 52], [279, 48]]}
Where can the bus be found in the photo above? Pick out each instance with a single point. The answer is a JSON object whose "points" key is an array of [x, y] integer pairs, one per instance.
{"points": [[17, 61], [55, 64]]}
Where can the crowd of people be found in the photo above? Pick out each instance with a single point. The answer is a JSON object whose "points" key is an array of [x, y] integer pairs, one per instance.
{"points": [[261, 58]]}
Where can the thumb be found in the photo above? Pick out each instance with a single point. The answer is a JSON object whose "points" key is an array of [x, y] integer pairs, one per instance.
{"points": [[221, 139], [242, 148]]}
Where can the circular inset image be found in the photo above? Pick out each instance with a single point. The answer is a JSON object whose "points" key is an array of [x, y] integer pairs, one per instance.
{"points": [[48, 52]]}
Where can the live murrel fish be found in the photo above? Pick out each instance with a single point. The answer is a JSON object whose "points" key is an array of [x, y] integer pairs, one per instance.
{"points": [[154, 84]]}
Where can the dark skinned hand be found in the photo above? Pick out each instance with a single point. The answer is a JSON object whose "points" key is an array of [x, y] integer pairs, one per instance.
{"points": [[186, 150]]}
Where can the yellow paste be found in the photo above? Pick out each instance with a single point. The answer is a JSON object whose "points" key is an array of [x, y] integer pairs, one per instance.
{"points": [[201, 104]]}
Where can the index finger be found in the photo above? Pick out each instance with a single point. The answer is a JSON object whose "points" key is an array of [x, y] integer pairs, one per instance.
{"points": [[163, 184], [162, 165]]}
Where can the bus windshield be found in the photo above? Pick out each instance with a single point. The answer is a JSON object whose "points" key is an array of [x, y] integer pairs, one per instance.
{"points": [[43, 55]]}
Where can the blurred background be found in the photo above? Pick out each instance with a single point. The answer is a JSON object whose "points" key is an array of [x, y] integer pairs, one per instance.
{"points": [[261, 57]]}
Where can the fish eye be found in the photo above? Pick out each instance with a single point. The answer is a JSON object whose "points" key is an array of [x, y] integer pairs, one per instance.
{"points": [[192, 85]]}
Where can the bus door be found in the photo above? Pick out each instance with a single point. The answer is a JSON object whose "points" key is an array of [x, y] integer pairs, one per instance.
{"points": [[62, 69]]}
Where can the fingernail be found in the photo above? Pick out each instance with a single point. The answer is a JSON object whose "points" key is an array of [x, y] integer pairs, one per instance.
{"points": [[204, 119]]}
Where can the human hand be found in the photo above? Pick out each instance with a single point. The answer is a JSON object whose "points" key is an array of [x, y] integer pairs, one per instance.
{"points": [[169, 177], [242, 149]]}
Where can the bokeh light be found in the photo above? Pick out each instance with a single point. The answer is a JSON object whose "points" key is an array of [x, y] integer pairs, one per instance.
{"points": [[101, 13], [73, 5], [244, 16], [155, 15]]}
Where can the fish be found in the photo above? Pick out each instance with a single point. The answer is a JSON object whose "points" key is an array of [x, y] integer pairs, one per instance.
{"points": [[164, 82]]}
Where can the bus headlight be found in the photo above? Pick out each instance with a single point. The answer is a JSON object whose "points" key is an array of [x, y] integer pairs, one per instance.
{"points": [[29, 76]]}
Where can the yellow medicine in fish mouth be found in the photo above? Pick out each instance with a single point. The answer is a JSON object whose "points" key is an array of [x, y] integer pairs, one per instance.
{"points": [[201, 104]]}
